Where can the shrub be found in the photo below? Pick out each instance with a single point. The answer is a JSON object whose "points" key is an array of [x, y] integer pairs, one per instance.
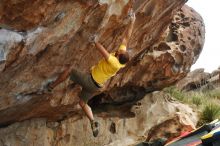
{"points": [[197, 100], [210, 112]]}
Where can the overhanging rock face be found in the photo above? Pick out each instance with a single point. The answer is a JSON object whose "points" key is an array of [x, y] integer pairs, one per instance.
{"points": [[38, 38]]}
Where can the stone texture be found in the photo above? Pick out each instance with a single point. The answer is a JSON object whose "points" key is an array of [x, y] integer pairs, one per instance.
{"points": [[215, 77], [157, 108], [165, 62], [198, 79], [38, 39], [194, 80], [43, 52], [45, 40]]}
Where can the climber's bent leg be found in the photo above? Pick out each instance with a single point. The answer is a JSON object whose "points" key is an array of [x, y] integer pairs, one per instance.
{"points": [[88, 89], [89, 114], [87, 92], [84, 98], [85, 107]]}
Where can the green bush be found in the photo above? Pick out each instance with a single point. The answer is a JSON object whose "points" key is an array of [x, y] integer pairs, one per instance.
{"points": [[197, 100], [210, 112]]}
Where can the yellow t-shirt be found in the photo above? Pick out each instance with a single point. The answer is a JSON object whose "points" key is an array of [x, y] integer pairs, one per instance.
{"points": [[105, 69]]}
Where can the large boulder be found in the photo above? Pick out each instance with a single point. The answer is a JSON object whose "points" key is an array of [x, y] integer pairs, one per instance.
{"points": [[56, 34], [198, 79], [39, 38], [194, 80]]}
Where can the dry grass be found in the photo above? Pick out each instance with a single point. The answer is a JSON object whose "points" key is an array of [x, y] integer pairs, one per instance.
{"points": [[207, 103]]}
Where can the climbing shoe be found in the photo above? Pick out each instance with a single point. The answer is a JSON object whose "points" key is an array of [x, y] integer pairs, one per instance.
{"points": [[95, 128]]}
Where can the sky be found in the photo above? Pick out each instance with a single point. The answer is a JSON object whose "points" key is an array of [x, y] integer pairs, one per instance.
{"points": [[210, 12]]}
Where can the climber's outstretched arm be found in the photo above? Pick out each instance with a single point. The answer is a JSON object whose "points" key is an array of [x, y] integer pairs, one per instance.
{"points": [[102, 50], [129, 30], [63, 76]]}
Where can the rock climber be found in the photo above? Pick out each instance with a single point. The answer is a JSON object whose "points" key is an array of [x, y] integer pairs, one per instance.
{"points": [[99, 74]]}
